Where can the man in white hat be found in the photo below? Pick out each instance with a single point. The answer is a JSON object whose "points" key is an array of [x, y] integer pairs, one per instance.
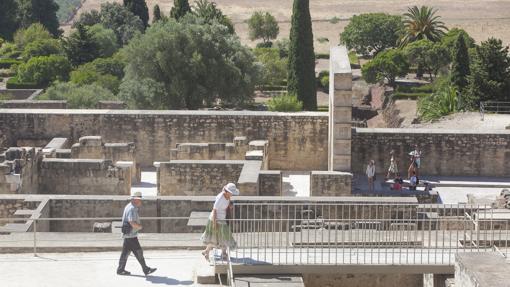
{"points": [[130, 227]]}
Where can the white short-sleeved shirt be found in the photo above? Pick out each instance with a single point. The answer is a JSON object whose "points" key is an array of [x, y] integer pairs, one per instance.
{"points": [[221, 205]]}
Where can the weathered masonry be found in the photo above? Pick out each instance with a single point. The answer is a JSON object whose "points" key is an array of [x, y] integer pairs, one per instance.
{"points": [[297, 141]]}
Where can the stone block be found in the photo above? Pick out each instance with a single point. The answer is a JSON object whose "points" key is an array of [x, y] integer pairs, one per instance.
{"points": [[341, 163], [342, 131], [254, 155], [258, 145], [57, 143], [342, 99], [91, 141], [270, 183], [342, 115], [342, 147], [343, 82]]}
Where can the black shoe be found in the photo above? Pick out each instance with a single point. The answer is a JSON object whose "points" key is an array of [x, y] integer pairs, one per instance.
{"points": [[123, 272], [149, 270]]}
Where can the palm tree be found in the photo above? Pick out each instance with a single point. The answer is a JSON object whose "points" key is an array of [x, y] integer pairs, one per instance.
{"points": [[422, 23]]}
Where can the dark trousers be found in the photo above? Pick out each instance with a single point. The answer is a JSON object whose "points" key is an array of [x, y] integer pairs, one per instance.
{"points": [[131, 245]]}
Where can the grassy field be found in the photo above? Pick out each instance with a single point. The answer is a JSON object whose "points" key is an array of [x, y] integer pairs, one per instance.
{"points": [[481, 18]]}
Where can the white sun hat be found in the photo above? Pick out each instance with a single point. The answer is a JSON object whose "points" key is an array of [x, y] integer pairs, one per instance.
{"points": [[231, 188], [136, 195]]}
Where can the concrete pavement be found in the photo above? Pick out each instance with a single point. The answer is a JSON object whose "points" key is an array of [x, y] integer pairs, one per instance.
{"points": [[175, 268]]}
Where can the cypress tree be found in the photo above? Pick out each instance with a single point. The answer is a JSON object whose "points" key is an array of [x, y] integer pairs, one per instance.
{"points": [[301, 74], [460, 64], [8, 21], [181, 7], [139, 8], [42, 11], [156, 14]]}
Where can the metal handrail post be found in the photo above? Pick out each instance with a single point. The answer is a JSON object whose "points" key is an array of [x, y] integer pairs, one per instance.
{"points": [[35, 237]]}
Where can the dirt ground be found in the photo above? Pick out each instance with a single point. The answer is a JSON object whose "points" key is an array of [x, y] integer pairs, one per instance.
{"points": [[469, 121], [482, 19]]}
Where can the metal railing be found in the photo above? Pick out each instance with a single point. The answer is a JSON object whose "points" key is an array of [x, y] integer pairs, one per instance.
{"points": [[336, 234], [496, 107], [349, 233]]}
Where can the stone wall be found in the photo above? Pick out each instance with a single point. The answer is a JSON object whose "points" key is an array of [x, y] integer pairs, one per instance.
{"points": [[83, 176], [197, 177], [20, 171], [444, 152], [8, 207], [330, 183], [297, 141], [372, 280], [93, 147]]}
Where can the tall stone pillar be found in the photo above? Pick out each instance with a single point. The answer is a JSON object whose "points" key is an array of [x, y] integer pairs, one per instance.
{"points": [[340, 110]]}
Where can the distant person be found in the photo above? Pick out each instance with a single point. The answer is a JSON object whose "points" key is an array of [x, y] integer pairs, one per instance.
{"points": [[371, 175], [397, 184], [411, 169], [130, 227], [393, 169], [416, 159], [413, 181], [217, 232]]}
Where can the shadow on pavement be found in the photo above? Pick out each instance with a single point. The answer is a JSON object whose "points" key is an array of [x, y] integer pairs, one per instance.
{"points": [[163, 280]]}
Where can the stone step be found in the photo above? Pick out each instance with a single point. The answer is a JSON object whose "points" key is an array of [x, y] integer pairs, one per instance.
{"points": [[205, 273]]}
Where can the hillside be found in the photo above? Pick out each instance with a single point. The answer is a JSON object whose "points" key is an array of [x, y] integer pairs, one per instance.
{"points": [[481, 19]]}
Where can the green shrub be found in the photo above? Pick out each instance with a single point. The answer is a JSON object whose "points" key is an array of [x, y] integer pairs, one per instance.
{"points": [[43, 47], [5, 97], [441, 103], [427, 88], [268, 44], [32, 33], [285, 103], [274, 68], [9, 50], [322, 40], [409, 96], [271, 88], [7, 63], [44, 70], [14, 83], [334, 20], [323, 108], [321, 56], [78, 97], [354, 60], [325, 82]]}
